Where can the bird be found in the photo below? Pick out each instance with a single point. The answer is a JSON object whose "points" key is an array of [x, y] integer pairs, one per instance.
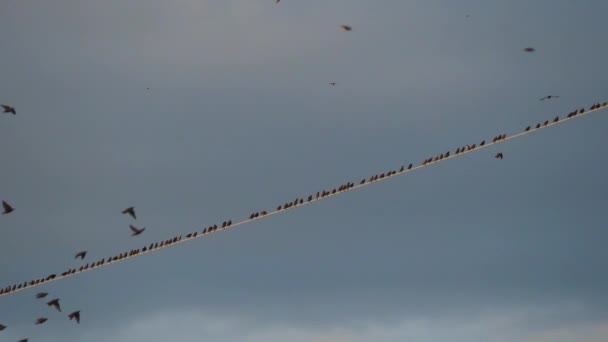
{"points": [[549, 97], [136, 231], [2, 327], [55, 303], [130, 211], [529, 49], [346, 28], [41, 320], [332, 83], [75, 314], [9, 109], [23, 340], [81, 255], [498, 155], [7, 208], [41, 295]]}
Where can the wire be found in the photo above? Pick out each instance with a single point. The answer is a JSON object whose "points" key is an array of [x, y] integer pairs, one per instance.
{"points": [[313, 200]]}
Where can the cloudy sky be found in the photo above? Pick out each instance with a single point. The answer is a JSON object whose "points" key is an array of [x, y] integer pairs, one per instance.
{"points": [[239, 117]]}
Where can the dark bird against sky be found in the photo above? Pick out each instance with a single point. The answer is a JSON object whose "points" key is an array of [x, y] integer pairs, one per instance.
{"points": [[136, 231], [8, 109], [81, 255], [55, 303], [41, 320], [75, 315], [130, 211], [7, 208]]}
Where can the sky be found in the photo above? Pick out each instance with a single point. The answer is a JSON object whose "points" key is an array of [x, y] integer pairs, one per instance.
{"points": [[239, 117]]}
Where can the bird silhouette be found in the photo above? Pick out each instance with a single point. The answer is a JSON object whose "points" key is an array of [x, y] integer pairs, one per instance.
{"points": [[529, 49], [548, 97], [332, 83], [81, 255], [76, 315], [41, 320], [498, 155], [41, 295], [2, 327], [130, 211], [23, 340], [8, 109], [7, 208], [346, 28], [55, 303], [136, 231]]}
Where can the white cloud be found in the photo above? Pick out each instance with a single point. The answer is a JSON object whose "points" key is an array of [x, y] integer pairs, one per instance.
{"points": [[492, 327]]}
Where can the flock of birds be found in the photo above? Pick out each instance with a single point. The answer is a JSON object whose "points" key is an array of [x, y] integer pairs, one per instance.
{"points": [[52, 303], [135, 231]]}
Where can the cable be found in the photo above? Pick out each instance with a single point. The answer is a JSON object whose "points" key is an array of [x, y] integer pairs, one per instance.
{"points": [[313, 200]]}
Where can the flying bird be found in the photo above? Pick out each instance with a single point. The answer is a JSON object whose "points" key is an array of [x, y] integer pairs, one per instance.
{"points": [[7, 208], [23, 340], [130, 211], [332, 83], [549, 97], [8, 109], [346, 28], [40, 320], [41, 295], [529, 49], [81, 255], [498, 155], [55, 303], [2, 327], [75, 314], [136, 231]]}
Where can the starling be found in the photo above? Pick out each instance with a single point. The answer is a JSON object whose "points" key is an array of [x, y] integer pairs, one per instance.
{"points": [[136, 231], [76, 315], [81, 255], [55, 303], [8, 109], [130, 211], [7, 208]]}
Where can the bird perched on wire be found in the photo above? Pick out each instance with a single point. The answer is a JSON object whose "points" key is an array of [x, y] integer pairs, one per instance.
{"points": [[7, 208], [41, 320], [41, 295], [136, 231], [346, 28], [548, 97], [80, 255], [75, 315], [9, 109], [55, 303], [130, 211], [498, 155]]}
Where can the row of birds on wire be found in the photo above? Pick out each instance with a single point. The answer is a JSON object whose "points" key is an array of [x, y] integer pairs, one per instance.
{"points": [[75, 315], [255, 215]]}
